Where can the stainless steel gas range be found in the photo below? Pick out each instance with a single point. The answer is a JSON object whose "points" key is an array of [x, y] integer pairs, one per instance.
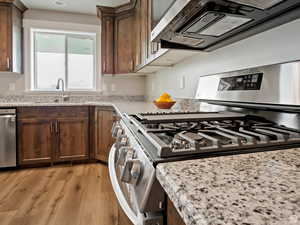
{"points": [[245, 111]]}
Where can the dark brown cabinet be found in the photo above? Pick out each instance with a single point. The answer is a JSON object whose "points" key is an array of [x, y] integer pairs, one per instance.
{"points": [[143, 31], [104, 119], [107, 44], [52, 134], [126, 37], [5, 37], [11, 36], [118, 38], [124, 52], [146, 51], [173, 217], [36, 143], [73, 140]]}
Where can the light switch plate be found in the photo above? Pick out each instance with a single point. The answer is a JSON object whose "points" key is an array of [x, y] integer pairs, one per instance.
{"points": [[113, 87], [182, 82], [104, 87], [12, 86]]}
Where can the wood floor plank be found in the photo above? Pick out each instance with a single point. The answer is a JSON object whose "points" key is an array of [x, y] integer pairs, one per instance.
{"points": [[62, 195], [106, 206], [39, 198], [13, 179], [17, 196], [5, 217]]}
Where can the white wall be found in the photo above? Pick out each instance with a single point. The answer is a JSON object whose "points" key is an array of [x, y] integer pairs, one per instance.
{"points": [[281, 44], [43, 19]]}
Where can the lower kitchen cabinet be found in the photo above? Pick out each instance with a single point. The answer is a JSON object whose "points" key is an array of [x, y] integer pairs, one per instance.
{"points": [[104, 119], [35, 141], [73, 140], [173, 217], [49, 135]]}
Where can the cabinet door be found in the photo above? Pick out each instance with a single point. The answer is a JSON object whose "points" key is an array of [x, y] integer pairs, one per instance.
{"points": [[72, 139], [17, 45], [107, 46], [5, 38], [173, 216], [124, 47], [103, 138], [35, 141], [142, 31]]}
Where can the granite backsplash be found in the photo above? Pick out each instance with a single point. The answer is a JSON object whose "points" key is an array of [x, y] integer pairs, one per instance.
{"points": [[72, 98]]}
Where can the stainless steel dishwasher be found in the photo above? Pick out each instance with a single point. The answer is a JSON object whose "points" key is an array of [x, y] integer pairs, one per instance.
{"points": [[8, 148]]}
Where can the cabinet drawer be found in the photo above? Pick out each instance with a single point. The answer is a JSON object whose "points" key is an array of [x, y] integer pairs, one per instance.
{"points": [[53, 112]]}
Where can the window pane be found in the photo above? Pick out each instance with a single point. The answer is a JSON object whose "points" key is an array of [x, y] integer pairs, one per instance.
{"points": [[50, 60], [80, 63]]}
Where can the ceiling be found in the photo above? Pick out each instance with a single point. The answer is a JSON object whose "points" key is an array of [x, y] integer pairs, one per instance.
{"points": [[74, 6]]}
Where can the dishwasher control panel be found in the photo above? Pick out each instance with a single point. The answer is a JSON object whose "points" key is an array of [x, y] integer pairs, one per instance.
{"points": [[7, 111]]}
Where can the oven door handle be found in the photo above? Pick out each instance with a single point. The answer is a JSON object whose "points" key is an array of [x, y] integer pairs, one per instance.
{"points": [[116, 187]]}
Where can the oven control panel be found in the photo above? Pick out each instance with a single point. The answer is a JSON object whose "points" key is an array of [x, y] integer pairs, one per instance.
{"points": [[241, 83]]}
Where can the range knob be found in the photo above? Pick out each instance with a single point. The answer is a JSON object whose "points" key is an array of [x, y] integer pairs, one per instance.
{"points": [[122, 141], [117, 129], [122, 155], [131, 171]]}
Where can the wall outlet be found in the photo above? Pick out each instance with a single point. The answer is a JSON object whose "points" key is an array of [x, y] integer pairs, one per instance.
{"points": [[12, 87], [104, 87], [182, 82], [113, 87]]}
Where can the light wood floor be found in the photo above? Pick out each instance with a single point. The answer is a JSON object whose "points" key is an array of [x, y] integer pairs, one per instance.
{"points": [[64, 195]]}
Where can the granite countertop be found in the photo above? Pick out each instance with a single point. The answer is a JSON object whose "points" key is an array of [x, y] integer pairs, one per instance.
{"points": [[249, 189], [120, 106]]}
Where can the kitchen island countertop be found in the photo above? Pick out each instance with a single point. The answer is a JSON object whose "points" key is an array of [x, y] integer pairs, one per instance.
{"points": [[250, 189]]}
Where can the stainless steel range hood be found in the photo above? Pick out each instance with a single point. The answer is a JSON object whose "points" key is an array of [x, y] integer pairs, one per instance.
{"points": [[210, 24]]}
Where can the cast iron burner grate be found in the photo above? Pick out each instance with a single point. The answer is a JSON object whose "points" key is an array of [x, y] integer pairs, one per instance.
{"points": [[178, 136]]}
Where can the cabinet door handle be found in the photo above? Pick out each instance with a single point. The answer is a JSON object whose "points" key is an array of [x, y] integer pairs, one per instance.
{"points": [[104, 67], [51, 127], [132, 65], [56, 127], [8, 63]]}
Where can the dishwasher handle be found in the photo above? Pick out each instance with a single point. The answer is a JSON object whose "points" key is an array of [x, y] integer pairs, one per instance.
{"points": [[10, 118], [7, 112]]}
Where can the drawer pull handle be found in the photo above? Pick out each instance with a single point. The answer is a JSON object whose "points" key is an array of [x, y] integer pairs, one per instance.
{"points": [[8, 63]]}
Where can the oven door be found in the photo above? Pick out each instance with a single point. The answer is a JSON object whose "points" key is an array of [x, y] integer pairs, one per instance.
{"points": [[123, 191]]}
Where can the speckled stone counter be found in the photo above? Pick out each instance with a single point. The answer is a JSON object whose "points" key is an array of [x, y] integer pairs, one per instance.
{"points": [[122, 104], [122, 107], [250, 189]]}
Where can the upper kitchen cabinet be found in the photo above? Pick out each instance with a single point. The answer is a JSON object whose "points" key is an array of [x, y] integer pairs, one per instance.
{"points": [[126, 45], [11, 36], [117, 38]]}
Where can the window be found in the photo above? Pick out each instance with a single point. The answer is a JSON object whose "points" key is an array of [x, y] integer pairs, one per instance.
{"points": [[69, 56]]}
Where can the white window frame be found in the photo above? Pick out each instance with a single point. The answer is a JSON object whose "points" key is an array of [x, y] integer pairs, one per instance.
{"points": [[92, 36]]}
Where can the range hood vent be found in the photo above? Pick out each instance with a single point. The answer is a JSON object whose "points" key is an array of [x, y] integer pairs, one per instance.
{"points": [[210, 24], [215, 24], [260, 4]]}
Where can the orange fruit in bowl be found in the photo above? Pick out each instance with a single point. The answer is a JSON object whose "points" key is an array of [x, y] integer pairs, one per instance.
{"points": [[164, 101], [165, 97]]}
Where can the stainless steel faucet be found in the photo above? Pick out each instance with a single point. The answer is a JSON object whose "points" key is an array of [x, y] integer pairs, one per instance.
{"points": [[63, 96]]}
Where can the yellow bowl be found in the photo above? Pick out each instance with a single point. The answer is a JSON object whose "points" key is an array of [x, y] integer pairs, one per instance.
{"points": [[164, 105]]}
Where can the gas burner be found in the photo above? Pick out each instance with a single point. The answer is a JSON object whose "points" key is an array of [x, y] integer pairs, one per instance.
{"points": [[183, 133]]}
